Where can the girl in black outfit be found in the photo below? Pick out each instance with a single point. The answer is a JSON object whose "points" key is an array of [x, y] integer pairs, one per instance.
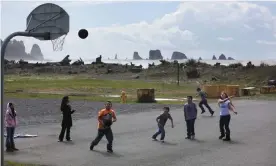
{"points": [[66, 120]]}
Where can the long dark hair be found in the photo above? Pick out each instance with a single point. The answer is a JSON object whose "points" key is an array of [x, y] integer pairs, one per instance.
{"points": [[64, 102], [12, 109]]}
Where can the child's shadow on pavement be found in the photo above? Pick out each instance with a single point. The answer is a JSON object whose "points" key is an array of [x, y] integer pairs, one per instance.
{"points": [[208, 116], [69, 142], [169, 143], [107, 154], [198, 141]]}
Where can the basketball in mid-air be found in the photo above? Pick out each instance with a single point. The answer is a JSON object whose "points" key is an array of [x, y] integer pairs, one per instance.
{"points": [[83, 33]]}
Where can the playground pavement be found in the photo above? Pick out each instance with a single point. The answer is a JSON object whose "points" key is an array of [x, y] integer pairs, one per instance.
{"points": [[253, 141]]}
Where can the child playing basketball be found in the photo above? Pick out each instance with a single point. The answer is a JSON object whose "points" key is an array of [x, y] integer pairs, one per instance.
{"points": [[106, 117], [161, 121]]}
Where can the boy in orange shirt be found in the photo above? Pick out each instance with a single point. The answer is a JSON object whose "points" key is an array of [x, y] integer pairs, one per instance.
{"points": [[106, 117]]}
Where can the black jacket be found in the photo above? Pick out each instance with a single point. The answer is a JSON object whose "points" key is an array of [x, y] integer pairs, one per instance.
{"points": [[67, 116]]}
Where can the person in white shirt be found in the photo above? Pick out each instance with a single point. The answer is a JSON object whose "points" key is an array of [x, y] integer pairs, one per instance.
{"points": [[225, 107]]}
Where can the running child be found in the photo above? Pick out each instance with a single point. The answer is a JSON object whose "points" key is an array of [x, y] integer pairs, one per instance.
{"points": [[203, 101], [190, 113], [161, 122]]}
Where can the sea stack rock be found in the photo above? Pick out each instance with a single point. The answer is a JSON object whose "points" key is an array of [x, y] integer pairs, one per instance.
{"points": [[230, 58], [16, 50], [214, 57], [36, 52], [222, 57], [155, 55], [199, 58], [136, 56], [178, 55]]}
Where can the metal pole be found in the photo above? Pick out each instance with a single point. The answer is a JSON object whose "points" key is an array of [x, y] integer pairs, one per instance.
{"points": [[178, 66], [3, 49]]}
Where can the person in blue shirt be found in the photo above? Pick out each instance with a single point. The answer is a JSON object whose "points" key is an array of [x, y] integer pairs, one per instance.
{"points": [[226, 106], [203, 101]]}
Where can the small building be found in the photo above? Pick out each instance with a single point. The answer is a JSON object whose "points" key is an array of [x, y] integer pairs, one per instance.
{"points": [[248, 91]]}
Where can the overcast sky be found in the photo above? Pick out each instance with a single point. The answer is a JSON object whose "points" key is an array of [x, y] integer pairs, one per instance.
{"points": [[242, 30]]}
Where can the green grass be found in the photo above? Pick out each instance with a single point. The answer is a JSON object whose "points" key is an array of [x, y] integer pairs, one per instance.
{"points": [[83, 88]]}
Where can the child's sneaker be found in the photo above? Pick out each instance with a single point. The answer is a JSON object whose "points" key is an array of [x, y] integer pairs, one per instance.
{"points": [[154, 139], [9, 150], [91, 147], [222, 136], [15, 149], [192, 137], [162, 141], [109, 150]]}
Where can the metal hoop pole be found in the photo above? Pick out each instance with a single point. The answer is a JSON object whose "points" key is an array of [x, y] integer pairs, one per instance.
{"points": [[3, 50]]}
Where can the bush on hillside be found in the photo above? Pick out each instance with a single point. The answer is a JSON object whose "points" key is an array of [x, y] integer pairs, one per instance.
{"points": [[193, 73], [191, 63], [249, 65], [263, 64], [217, 64], [235, 65], [164, 62]]}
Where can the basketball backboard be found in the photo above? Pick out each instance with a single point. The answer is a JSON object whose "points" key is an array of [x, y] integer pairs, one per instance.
{"points": [[50, 18]]}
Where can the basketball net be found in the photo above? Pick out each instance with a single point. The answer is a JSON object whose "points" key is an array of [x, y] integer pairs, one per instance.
{"points": [[58, 43]]}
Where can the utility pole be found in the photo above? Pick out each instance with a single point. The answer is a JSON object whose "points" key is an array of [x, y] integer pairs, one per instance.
{"points": [[178, 66]]}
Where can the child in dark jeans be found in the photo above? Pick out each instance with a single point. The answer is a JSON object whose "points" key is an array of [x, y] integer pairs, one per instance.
{"points": [[161, 121], [190, 113], [204, 101]]}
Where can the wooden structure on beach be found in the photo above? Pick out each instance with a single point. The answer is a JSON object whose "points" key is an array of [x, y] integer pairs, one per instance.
{"points": [[268, 90], [248, 91], [214, 91], [146, 95]]}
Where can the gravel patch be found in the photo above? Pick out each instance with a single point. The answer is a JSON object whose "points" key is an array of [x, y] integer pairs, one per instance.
{"points": [[46, 111]]}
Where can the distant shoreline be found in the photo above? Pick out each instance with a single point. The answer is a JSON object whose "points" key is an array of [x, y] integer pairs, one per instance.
{"points": [[145, 62]]}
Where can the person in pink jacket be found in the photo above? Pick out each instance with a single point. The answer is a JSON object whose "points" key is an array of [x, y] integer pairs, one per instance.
{"points": [[11, 121]]}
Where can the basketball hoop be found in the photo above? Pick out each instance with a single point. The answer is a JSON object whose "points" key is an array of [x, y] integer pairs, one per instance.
{"points": [[49, 18], [58, 43]]}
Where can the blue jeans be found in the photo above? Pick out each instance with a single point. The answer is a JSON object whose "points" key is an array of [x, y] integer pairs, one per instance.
{"points": [[161, 131], [10, 139]]}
